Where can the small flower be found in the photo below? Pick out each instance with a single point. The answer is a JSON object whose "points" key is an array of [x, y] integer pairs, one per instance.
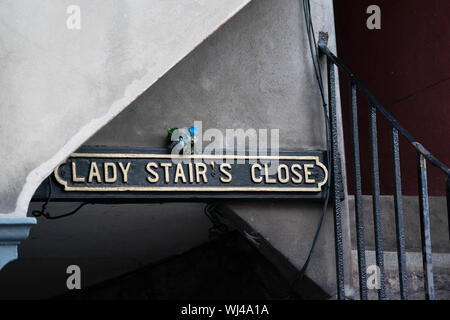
{"points": [[193, 130]]}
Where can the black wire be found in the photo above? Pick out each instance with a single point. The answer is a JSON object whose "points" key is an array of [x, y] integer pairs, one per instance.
{"points": [[316, 62], [45, 214], [315, 57], [316, 236], [313, 48]]}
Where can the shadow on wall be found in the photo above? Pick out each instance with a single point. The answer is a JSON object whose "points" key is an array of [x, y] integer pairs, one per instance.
{"points": [[227, 268], [254, 72], [104, 240]]}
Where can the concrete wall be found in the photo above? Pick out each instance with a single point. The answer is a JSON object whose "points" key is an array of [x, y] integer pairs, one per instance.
{"points": [[411, 220], [255, 72]]}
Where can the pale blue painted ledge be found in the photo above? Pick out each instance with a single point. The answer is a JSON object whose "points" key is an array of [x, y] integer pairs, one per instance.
{"points": [[12, 232]]}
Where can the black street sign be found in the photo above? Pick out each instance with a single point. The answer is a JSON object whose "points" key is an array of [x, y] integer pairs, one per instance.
{"points": [[106, 174]]}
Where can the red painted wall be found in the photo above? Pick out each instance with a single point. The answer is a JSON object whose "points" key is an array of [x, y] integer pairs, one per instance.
{"points": [[406, 66]]}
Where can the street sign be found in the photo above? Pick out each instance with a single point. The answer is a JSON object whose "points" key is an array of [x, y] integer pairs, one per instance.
{"points": [[140, 174]]}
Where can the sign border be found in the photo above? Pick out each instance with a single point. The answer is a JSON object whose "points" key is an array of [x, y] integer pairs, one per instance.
{"points": [[187, 189]]}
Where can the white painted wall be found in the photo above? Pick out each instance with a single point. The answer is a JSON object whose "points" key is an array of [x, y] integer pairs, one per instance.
{"points": [[59, 86]]}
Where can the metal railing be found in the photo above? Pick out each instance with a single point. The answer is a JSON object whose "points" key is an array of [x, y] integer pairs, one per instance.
{"points": [[423, 156]]}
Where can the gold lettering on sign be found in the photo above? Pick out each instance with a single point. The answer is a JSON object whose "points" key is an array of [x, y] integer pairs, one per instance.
{"points": [[155, 175], [108, 178], [223, 168], [74, 174], [179, 173], [308, 173], [93, 172], [266, 172], [191, 173], [299, 178], [125, 171], [201, 172], [283, 167], [254, 179], [166, 167]]}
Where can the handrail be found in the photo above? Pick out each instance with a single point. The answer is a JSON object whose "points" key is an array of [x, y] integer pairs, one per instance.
{"points": [[418, 146], [422, 156]]}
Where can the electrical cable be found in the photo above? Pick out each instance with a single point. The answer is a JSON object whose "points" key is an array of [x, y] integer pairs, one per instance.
{"points": [[218, 227], [313, 48], [315, 57], [45, 214]]}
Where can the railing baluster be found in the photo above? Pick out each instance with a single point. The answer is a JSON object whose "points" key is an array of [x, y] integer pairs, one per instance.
{"points": [[448, 204], [398, 203], [423, 156], [336, 181], [425, 227], [376, 199], [358, 196]]}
